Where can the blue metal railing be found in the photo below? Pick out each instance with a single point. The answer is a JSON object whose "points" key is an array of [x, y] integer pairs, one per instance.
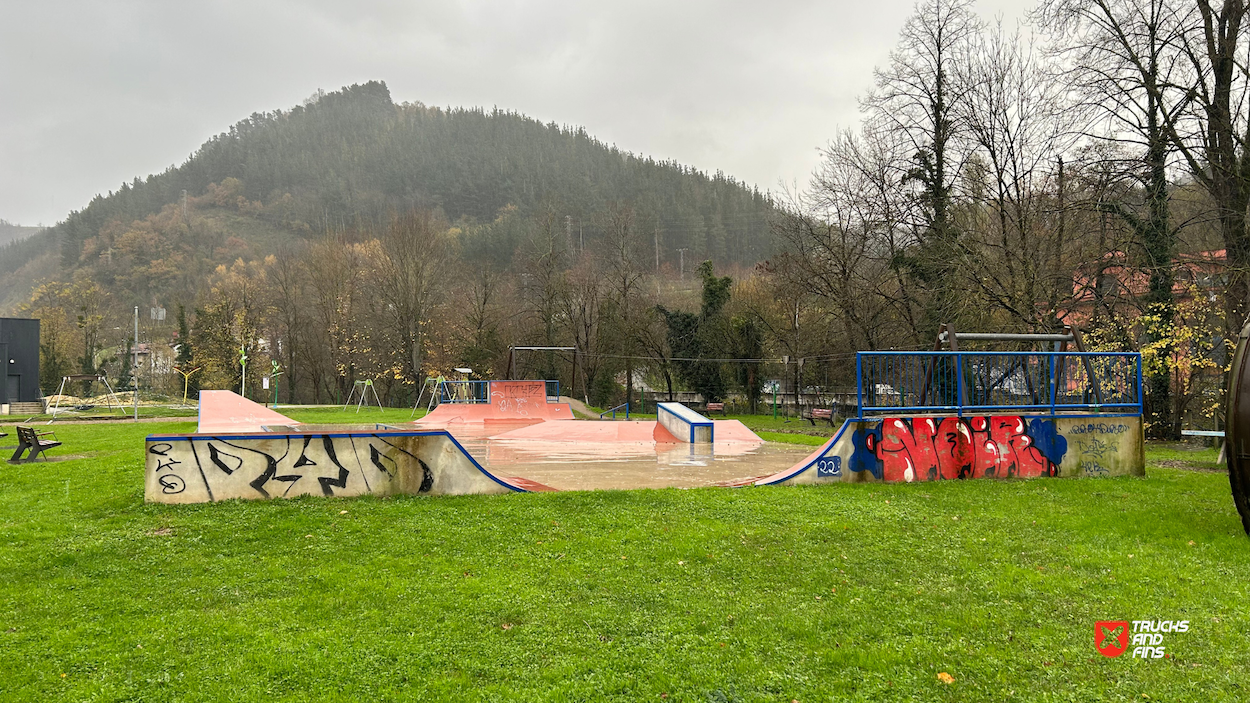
{"points": [[479, 391], [613, 411], [463, 392], [959, 382]]}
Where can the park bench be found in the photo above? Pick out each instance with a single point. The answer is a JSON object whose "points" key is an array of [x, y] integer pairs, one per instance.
{"points": [[815, 414], [716, 407], [32, 439]]}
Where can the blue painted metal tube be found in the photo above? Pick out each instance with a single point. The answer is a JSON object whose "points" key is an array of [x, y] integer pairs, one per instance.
{"points": [[994, 381], [859, 379]]}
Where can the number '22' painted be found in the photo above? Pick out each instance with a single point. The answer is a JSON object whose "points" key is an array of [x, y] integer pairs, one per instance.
{"points": [[829, 466]]}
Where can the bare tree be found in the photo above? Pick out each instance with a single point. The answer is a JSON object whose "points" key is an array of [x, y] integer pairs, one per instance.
{"points": [[1019, 126], [917, 98], [410, 275], [287, 280], [1122, 56]]}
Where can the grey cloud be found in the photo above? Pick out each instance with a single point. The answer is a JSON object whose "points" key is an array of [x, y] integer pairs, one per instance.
{"points": [[95, 93]]}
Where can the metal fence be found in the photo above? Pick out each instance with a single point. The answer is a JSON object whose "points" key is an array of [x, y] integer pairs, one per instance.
{"points": [[479, 391], [1047, 382]]}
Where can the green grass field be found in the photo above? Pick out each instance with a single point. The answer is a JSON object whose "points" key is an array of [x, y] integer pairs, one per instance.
{"points": [[853, 592]]}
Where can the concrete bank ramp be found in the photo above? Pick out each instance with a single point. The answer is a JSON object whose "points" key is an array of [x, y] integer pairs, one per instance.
{"points": [[202, 468], [931, 448], [512, 401], [227, 411]]}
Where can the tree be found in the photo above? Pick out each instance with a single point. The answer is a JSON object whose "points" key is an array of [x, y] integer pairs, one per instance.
{"points": [[1015, 252], [1122, 55], [1210, 127], [411, 275], [918, 99], [287, 279], [700, 341]]}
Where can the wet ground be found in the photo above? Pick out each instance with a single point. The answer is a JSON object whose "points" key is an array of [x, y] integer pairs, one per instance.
{"points": [[582, 466]]}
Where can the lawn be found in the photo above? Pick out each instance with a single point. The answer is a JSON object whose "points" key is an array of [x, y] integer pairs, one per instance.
{"points": [[851, 592]]}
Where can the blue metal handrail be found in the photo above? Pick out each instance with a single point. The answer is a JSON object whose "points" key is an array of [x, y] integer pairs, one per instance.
{"points": [[1035, 382], [613, 411], [449, 391]]}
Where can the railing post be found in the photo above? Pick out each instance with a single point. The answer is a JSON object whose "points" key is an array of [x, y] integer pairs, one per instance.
{"points": [[959, 384], [1141, 389], [1054, 385], [859, 382]]}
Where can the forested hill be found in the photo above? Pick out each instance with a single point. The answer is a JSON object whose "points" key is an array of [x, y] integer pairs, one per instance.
{"points": [[351, 156]]}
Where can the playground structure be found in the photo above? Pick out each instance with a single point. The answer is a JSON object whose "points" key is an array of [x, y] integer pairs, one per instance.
{"points": [[487, 402], [110, 396], [360, 391]]}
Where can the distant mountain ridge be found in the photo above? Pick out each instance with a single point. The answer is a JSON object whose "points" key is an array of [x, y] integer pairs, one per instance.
{"points": [[352, 155], [348, 158], [10, 232]]}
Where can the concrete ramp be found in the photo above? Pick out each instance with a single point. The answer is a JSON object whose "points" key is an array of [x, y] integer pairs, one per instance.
{"points": [[522, 402], [933, 448], [685, 424], [227, 411], [202, 468]]}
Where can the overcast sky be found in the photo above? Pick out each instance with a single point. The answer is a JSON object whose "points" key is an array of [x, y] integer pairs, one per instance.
{"points": [[96, 93]]}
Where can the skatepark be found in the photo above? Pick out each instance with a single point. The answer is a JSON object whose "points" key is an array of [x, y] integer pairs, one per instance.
{"points": [[1077, 414]]}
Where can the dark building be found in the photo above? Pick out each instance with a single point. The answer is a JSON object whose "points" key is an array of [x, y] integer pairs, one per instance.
{"points": [[19, 352]]}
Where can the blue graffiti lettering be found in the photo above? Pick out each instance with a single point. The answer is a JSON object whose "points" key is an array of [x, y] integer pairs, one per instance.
{"points": [[863, 458], [1047, 439]]}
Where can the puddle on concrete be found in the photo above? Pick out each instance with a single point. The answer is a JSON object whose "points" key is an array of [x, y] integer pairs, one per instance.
{"points": [[581, 466]]}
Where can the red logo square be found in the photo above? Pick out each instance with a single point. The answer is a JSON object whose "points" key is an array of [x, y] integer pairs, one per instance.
{"points": [[1111, 637]]}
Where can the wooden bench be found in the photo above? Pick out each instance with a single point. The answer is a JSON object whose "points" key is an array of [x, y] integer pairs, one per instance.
{"points": [[815, 414], [716, 407], [32, 439]]}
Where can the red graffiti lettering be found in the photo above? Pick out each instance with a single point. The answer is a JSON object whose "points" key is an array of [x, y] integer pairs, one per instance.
{"points": [[927, 449]]}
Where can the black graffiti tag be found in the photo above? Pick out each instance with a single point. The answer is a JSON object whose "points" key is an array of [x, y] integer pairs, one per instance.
{"points": [[172, 484]]}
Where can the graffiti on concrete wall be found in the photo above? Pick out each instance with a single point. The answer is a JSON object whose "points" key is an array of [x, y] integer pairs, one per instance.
{"points": [[931, 449], [283, 466], [517, 397], [205, 468]]}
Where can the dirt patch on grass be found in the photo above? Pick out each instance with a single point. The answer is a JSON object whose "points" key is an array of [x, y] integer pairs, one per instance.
{"points": [[1208, 467]]}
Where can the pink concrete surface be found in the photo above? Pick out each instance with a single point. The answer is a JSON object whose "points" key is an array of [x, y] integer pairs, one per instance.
{"points": [[648, 431], [734, 431], [515, 401], [227, 411], [629, 431]]}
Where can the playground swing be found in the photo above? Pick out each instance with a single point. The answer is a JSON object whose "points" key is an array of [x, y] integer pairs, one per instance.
{"points": [[360, 391], [110, 395], [433, 395]]}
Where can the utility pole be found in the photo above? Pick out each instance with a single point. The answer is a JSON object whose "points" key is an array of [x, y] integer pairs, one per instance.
{"points": [[184, 206], [134, 373], [682, 268], [657, 250], [243, 363]]}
